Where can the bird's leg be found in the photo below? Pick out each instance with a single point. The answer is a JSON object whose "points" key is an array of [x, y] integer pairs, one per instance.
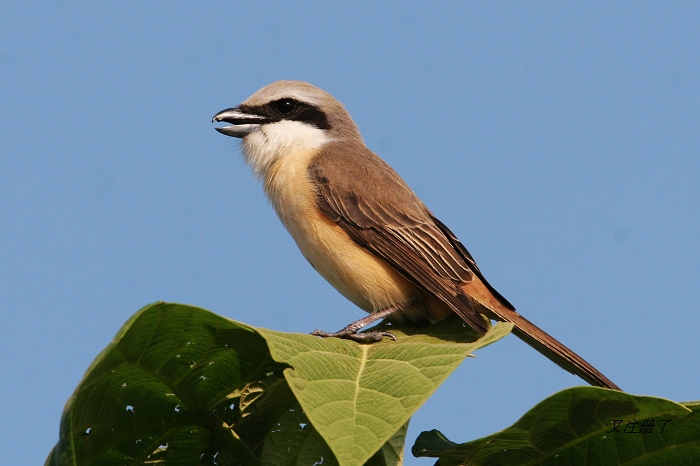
{"points": [[350, 332]]}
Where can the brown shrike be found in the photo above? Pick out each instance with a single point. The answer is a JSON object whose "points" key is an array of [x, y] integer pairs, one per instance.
{"points": [[360, 225]]}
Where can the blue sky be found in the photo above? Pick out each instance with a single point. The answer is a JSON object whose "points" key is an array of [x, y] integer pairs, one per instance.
{"points": [[560, 142]]}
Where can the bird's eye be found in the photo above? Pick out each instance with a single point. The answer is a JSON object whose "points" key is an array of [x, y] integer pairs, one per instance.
{"points": [[286, 106]]}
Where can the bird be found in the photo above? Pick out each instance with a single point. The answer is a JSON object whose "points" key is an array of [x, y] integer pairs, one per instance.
{"points": [[362, 228]]}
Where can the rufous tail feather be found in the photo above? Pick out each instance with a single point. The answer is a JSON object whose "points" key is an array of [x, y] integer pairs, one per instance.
{"points": [[536, 337]]}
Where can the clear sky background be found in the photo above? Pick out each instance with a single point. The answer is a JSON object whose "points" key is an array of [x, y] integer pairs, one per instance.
{"points": [[561, 143]]}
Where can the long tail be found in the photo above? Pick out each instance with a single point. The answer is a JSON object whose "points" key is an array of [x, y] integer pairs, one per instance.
{"points": [[536, 337]]}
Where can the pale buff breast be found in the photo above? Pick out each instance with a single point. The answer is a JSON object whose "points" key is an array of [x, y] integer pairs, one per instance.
{"points": [[363, 278]]}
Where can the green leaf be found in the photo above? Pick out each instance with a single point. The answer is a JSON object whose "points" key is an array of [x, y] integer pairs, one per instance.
{"points": [[358, 396], [391, 453], [180, 385], [152, 393], [576, 426]]}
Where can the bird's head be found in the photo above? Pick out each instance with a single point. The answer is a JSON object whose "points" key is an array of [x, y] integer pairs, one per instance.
{"points": [[283, 118]]}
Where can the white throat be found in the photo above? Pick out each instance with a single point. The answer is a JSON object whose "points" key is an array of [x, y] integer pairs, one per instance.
{"points": [[274, 141]]}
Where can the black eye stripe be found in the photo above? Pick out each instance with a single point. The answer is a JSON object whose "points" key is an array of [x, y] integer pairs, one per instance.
{"points": [[312, 115], [301, 112]]}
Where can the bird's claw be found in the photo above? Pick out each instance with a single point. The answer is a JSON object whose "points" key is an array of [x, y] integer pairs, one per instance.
{"points": [[367, 337]]}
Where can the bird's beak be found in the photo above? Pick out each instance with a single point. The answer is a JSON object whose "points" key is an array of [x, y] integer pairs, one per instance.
{"points": [[241, 123]]}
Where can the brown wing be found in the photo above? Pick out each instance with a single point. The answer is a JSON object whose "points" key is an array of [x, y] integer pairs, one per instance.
{"points": [[389, 220], [457, 244]]}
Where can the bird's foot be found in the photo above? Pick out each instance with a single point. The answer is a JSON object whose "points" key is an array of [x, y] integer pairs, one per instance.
{"points": [[349, 334]]}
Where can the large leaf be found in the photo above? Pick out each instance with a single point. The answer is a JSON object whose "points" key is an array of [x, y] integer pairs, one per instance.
{"points": [[156, 392], [357, 396], [180, 385], [583, 425]]}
